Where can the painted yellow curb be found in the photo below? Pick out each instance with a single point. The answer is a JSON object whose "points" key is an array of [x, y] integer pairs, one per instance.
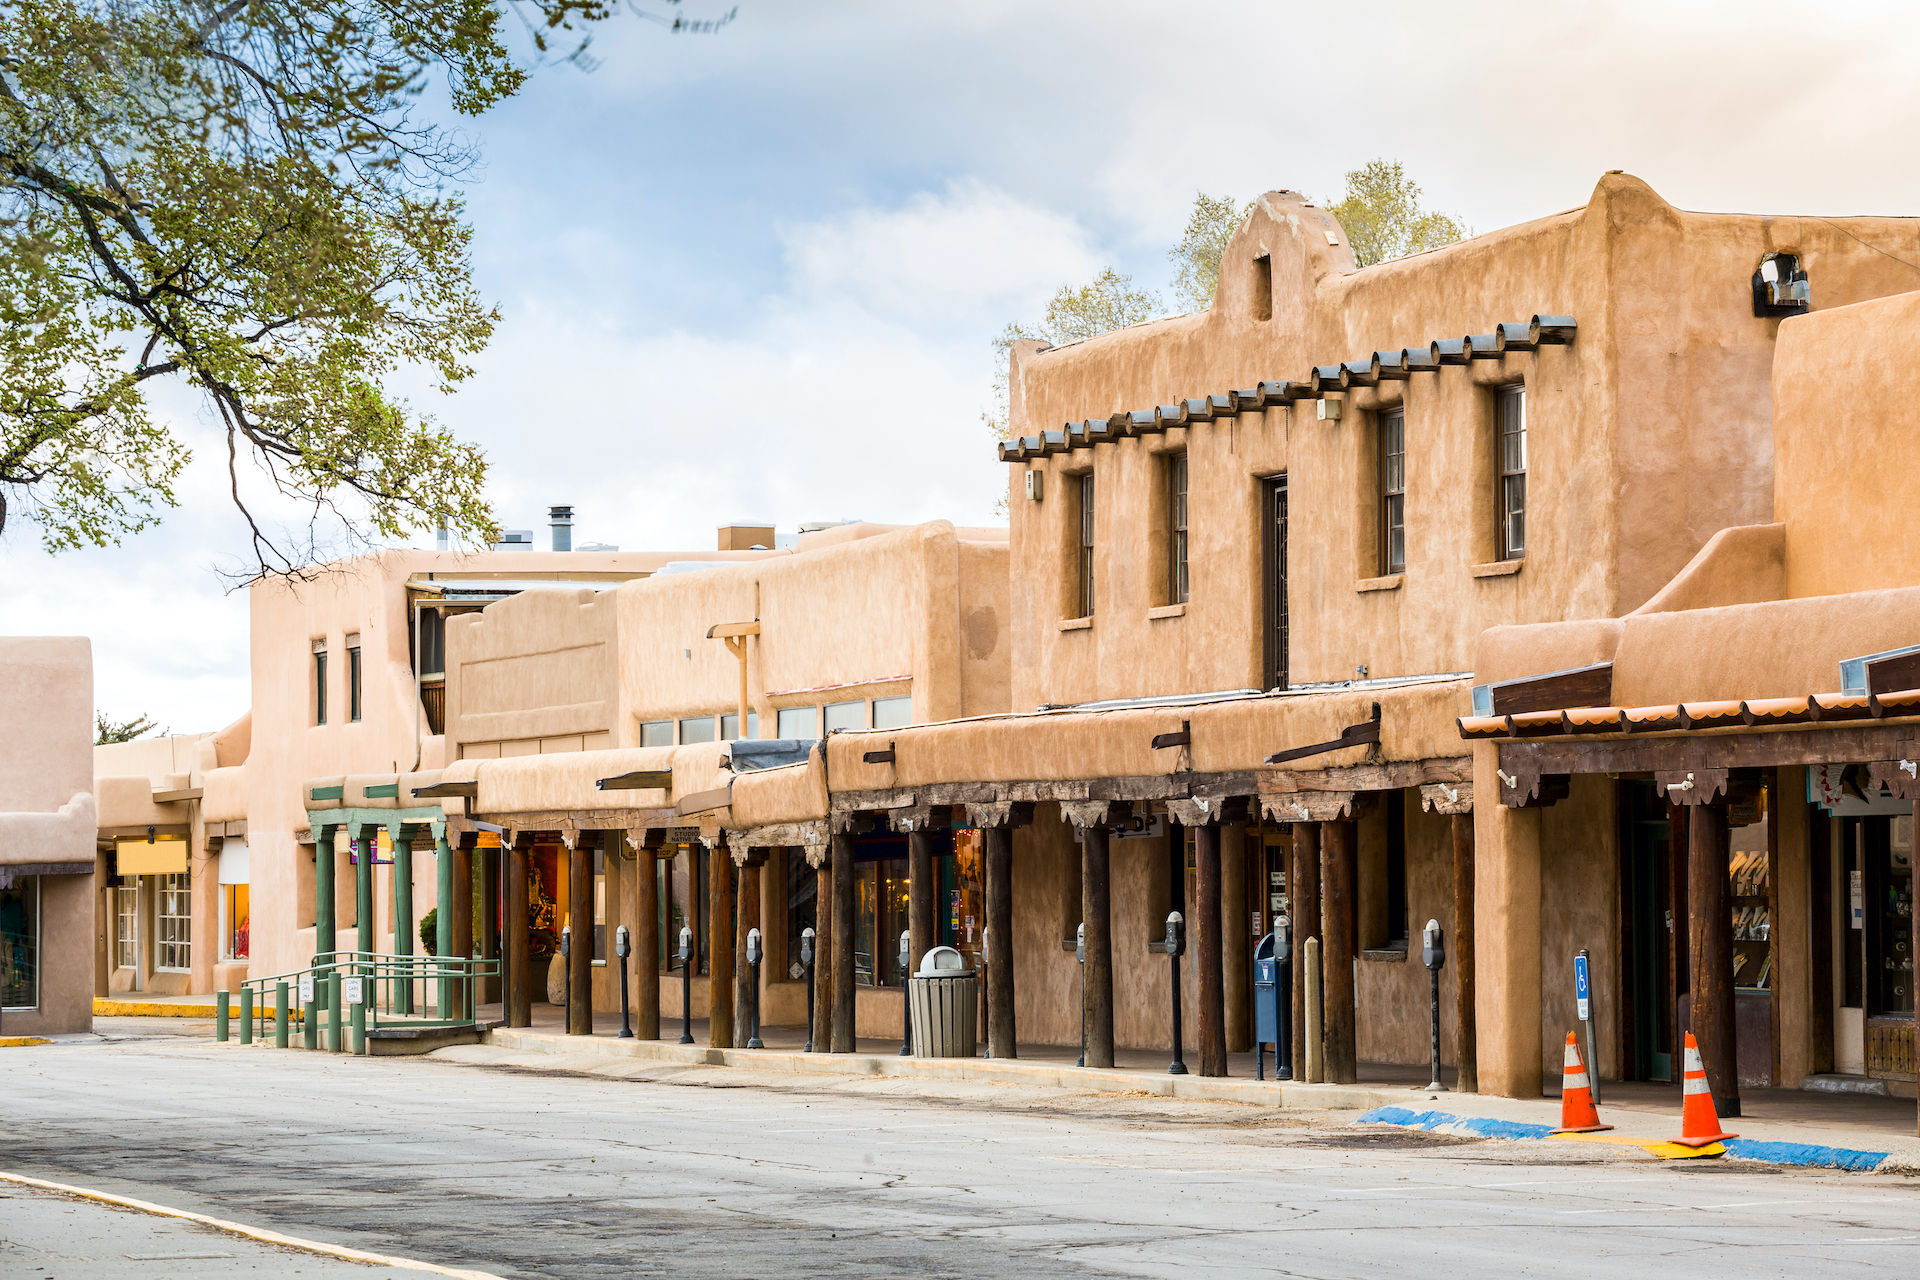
{"points": [[1664, 1150], [21, 1042], [253, 1233], [103, 1008]]}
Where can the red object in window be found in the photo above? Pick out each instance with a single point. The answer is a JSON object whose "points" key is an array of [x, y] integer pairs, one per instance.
{"points": [[240, 939]]}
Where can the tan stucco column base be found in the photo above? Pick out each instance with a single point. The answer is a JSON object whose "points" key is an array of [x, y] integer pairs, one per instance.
{"points": [[1506, 876]]}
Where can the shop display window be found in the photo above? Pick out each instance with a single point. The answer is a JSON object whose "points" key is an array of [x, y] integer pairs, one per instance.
{"points": [[238, 931], [1752, 921], [20, 944]]}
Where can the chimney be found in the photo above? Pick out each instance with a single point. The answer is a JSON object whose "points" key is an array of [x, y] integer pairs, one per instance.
{"points": [[561, 518], [440, 538]]}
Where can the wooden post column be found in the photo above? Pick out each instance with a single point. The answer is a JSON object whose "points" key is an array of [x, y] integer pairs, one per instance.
{"points": [[1239, 858], [1338, 857], [646, 934], [1207, 950], [821, 1033], [1710, 953], [841, 997], [519, 992], [1096, 914], [1303, 904], [748, 910], [1001, 1038], [719, 946], [1461, 951], [580, 847], [923, 935], [493, 875]]}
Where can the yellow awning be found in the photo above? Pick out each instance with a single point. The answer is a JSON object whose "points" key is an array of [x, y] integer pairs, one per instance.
{"points": [[167, 855]]}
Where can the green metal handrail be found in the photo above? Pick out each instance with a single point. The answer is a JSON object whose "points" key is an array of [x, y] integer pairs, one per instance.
{"points": [[394, 991]]}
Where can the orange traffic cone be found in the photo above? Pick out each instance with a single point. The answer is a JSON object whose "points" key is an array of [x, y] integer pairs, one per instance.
{"points": [[1699, 1122], [1576, 1095]]}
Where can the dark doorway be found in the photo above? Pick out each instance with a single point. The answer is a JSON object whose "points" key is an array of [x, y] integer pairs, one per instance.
{"points": [[1274, 587], [1648, 898]]}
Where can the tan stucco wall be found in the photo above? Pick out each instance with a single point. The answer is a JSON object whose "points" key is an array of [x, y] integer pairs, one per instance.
{"points": [[46, 721], [534, 673], [1668, 382], [1845, 385]]}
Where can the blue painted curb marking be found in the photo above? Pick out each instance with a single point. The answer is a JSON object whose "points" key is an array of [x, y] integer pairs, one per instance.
{"points": [[1806, 1155]]}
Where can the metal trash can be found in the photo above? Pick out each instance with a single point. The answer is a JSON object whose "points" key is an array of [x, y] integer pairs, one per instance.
{"points": [[944, 996]]}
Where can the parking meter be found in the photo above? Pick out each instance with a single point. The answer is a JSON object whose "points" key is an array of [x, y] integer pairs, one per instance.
{"points": [[686, 984], [806, 963], [566, 973], [1283, 996], [623, 947], [1434, 955], [1175, 945], [906, 998], [1080, 956], [753, 990]]}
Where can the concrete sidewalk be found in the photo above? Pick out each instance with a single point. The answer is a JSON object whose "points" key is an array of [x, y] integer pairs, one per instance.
{"points": [[1826, 1129]]}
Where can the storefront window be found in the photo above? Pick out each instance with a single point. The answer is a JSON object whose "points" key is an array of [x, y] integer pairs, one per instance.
{"points": [[1890, 976], [963, 890], [126, 934], [239, 928], [599, 906], [803, 892], [20, 944], [880, 917], [173, 947]]}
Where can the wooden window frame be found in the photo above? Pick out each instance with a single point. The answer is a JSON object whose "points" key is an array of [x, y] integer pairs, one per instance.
{"points": [[1273, 592], [319, 686], [1085, 524], [1178, 581], [1510, 471], [1393, 491]]}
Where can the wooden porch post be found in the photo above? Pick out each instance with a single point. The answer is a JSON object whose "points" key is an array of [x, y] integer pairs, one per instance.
{"points": [[1239, 859], [1462, 951], [1303, 902], [580, 847], [1338, 856], [493, 868], [1710, 953], [1207, 950], [842, 991], [749, 913], [646, 935], [519, 995], [1002, 1041], [823, 953], [719, 945], [1097, 916]]}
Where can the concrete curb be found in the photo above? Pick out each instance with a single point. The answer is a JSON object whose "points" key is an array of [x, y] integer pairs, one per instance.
{"points": [[22, 1042], [1802, 1154], [104, 1008], [252, 1233], [1288, 1095]]}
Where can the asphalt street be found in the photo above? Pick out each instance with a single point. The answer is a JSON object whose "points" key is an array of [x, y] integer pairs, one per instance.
{"points": [[724, 1172]]}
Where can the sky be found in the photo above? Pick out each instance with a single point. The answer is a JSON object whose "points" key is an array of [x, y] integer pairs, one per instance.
{"points": [[756, 274]]}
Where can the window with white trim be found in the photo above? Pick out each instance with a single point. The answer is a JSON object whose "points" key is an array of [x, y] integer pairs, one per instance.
{"points": [[126, 928], [173, 922]]}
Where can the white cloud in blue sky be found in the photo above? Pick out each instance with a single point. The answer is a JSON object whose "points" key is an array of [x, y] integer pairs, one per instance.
{"points": [[757, 273]]}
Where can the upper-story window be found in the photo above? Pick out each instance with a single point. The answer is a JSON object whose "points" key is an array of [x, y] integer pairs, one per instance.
{"points": [[1393, 491], [656, 733], [1086, 547], [319, 681], [1177, 543], [1511, 412], [353, 676]]}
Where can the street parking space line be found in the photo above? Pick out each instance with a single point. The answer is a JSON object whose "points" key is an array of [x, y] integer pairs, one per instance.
{"points": [[252, 1233]]}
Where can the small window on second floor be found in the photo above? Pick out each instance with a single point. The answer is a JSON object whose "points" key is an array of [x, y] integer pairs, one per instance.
{"points": [[353, 677], [696, 729], [798, 722], [1393, 491], [730, 726], [1512, 457], [893, 713], [846, 715], [319, 682], [1177, 543], [1085, 562], [656, 733]]}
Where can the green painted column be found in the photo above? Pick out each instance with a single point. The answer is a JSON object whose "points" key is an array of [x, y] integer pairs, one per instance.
{"points": [[333, 1012], [324, 859], [403, 910], [246, 1015], [443, 912], [279, 1015], [364, 849], [360, 1016], [310, 1018], [221, 1013]]}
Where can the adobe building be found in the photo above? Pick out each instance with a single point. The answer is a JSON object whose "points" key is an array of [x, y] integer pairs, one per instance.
{"points": [[596, 746], [1739, 753], [46, 835]]}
